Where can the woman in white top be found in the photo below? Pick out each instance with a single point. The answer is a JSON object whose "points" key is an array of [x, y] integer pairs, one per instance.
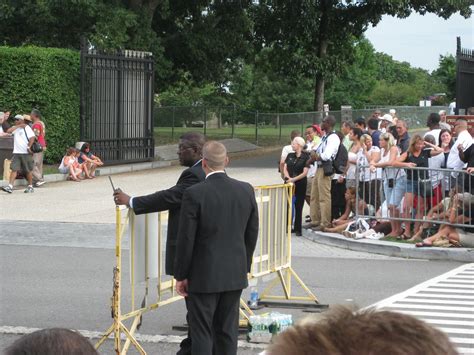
{"points": [[354, 135], [369, 182], [388, 155]]}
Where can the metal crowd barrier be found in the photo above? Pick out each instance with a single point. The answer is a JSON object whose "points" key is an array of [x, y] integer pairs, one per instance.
{"points": [[146, 241], [435, 192]]}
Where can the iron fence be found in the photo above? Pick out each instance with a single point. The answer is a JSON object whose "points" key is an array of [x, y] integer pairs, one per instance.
{"points": [[116, 104], [262, 128], [464, 77]]}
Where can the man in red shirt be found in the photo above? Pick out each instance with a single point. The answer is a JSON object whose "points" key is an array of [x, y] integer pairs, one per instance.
{"points": [[40, 132]]}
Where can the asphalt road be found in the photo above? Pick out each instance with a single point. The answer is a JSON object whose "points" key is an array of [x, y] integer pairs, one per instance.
{"points": [[56, 267]]}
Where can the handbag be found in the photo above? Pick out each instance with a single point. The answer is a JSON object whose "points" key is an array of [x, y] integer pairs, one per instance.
{"points": [[328, 168], [36, 147], [425, 188]]}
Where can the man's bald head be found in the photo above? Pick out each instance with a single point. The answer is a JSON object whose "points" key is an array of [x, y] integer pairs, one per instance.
{"points": [[215, 155]]}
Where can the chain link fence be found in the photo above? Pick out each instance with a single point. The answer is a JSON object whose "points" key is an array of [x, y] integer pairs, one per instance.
{"points": [[261, 128]]}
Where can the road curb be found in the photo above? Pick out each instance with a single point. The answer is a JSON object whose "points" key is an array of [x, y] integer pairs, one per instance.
{"points": [[390, 248]]}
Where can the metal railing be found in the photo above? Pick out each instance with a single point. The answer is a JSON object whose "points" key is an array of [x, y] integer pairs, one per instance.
{"points": [[264, 128], [423, 195]]}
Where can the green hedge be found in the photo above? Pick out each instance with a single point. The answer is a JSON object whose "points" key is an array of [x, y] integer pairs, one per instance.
{"points": [[47, 79]]}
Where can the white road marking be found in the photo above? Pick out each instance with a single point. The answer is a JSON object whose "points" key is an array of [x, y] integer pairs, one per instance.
{"points": [[174, 339], [444, 301]]}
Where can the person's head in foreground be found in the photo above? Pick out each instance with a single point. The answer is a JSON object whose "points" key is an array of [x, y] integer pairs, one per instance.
{"points": [[52, 341], [342, 331]]}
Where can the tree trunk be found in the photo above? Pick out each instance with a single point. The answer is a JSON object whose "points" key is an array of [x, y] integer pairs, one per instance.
{"points": [[319, 97], [321, 53]]}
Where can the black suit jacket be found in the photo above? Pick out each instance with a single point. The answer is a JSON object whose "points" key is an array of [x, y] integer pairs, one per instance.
{"points": [[217, 235], [170, 200]]}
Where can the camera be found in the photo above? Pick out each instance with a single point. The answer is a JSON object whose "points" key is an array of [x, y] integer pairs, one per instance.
{"points": [[391, 183]]}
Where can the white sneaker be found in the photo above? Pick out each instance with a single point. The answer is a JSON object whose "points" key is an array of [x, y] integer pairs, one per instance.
{"points": [[29, 190], [39, 183], [359, 235]]}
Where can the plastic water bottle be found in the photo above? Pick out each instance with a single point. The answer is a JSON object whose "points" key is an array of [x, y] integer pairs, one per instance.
{"points": [[253, 303]]}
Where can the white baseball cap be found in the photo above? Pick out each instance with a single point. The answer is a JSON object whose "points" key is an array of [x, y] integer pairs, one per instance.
{"points": [[387, 117]]}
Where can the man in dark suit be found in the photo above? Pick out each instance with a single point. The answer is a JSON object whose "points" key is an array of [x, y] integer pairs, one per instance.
{"points": [[214, 252], [189, 153]]}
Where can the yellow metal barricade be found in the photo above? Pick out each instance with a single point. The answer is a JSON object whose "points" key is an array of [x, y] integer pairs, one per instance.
{"points": [[272, 256], [273, 252]]}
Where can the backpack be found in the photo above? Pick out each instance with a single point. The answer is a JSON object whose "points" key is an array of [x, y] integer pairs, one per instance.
{"points": [[340, 160]]}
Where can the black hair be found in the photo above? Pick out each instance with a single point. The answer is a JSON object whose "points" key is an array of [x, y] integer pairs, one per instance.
{"points": [[361, 121], [393, 131], [312, 127], [357, 132], [373, 123], [195, 140], [433, 120]]}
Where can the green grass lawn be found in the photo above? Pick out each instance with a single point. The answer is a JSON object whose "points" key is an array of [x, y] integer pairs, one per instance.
{"points": [[267, 136]]}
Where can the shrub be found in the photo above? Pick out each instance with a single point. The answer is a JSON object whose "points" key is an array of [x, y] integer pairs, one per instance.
{"points": [[47, 79]]}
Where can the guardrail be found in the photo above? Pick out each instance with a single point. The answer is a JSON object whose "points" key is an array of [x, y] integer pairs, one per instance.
{"points": [[146, 236], [417, 194]]}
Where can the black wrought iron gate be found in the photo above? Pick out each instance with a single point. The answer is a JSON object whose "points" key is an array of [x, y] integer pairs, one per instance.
{"points": [[464, 78], [117, 104]]}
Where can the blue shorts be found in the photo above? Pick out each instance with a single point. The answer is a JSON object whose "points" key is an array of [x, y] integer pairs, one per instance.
{"points": [[413, 187], [394, 195]]}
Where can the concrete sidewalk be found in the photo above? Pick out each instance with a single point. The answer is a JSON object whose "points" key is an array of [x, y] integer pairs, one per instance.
{"points": [[165, 156], [401, 250]]}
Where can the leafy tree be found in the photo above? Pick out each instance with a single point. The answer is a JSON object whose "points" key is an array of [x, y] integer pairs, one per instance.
{"points": [[313, 36], [356, 81], [205, 38], [446, 74]]}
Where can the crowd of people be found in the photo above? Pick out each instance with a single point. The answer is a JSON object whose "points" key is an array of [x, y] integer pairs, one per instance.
{"points": [[29, 145], [374, 168]]}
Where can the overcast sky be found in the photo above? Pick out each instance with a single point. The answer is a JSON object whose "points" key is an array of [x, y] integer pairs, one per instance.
{"points": [[419, 40]]}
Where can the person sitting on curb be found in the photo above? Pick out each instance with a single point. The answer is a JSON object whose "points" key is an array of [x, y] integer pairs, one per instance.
{"points": [[69, 165], [456, 236], [89, 161], [22, 160]]}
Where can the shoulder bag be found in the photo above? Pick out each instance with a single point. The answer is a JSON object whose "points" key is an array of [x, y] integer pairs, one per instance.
{"points": [[36, 146]]}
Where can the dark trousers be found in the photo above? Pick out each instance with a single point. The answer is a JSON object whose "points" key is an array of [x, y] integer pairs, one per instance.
{"points": [[214, 322], [185, 345], [300, 194], [369, 191], [338, 200]]}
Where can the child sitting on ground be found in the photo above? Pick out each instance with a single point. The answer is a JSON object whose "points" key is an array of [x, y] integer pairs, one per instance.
{"points": [[69, 165], [89, 161]]}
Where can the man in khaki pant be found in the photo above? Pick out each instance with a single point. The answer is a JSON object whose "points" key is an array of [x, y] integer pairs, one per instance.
{"points": [[320, 204]]}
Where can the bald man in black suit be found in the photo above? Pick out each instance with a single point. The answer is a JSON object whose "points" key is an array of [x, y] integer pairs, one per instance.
{"points": [[214, 252]]}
